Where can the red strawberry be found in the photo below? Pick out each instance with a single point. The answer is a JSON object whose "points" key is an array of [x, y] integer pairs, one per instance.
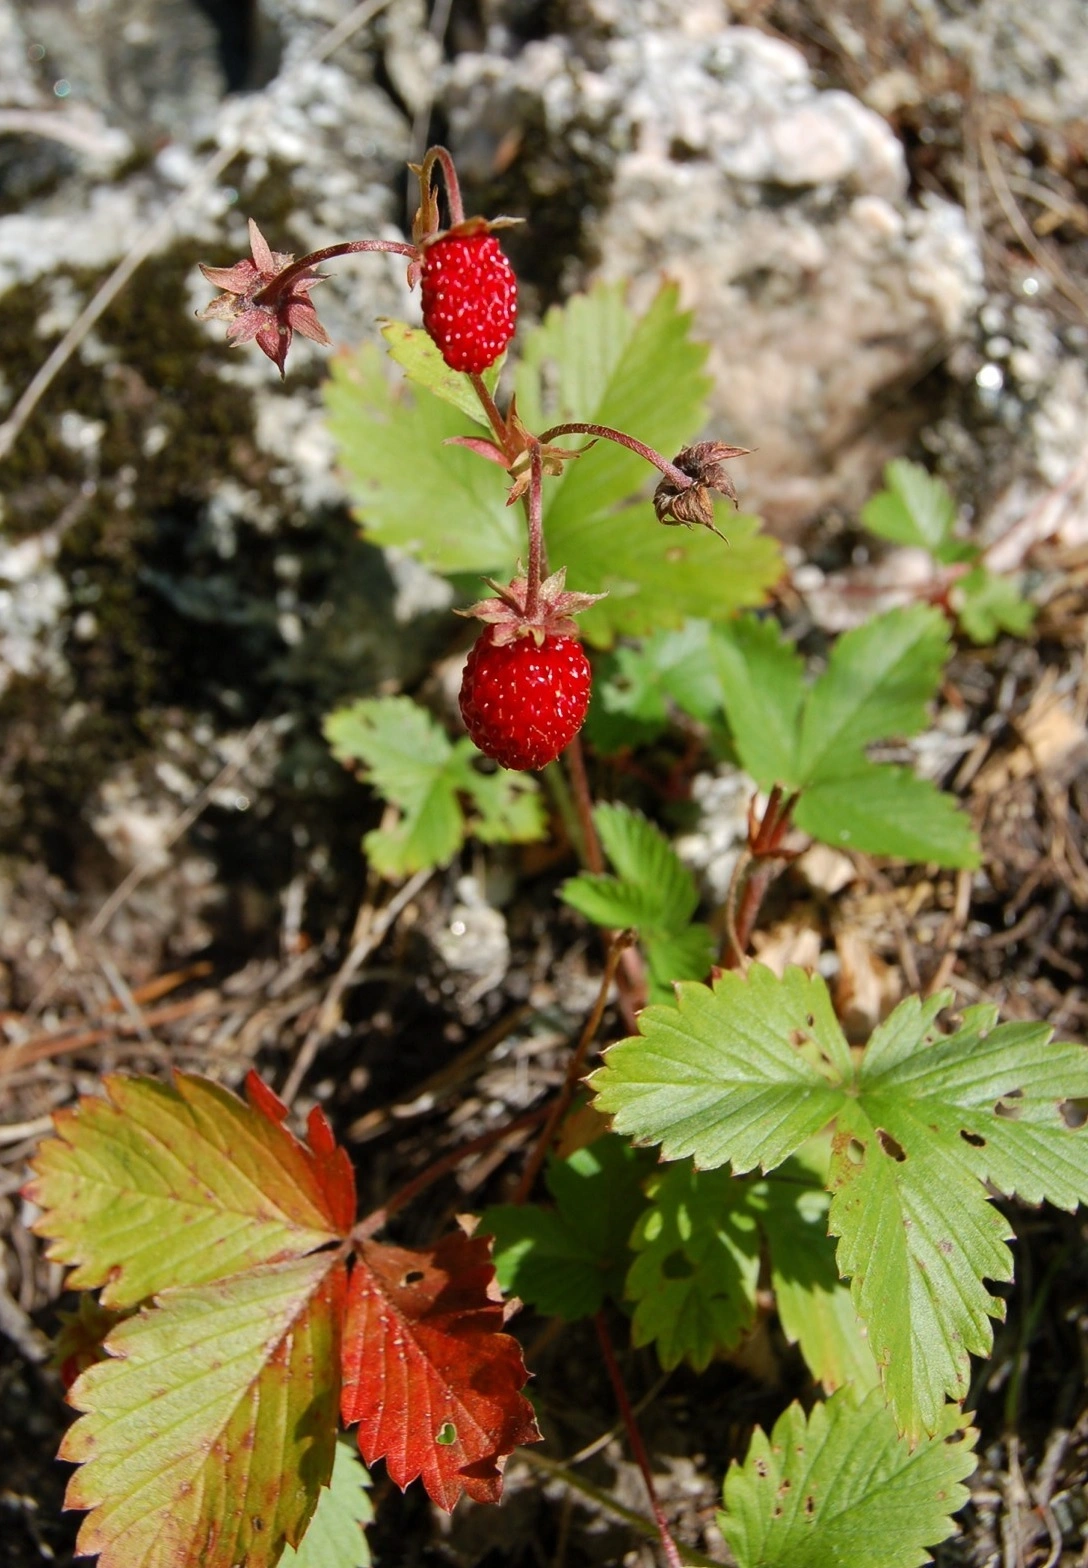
{"points": [[470, 296], [523, 702]]}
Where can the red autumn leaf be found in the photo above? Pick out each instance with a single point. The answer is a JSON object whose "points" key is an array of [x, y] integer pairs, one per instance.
{"points": [[330, 1163], [429, 1375]]}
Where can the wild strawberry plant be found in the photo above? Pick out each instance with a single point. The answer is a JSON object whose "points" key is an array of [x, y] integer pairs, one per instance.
{"points": [[738, 1150]]}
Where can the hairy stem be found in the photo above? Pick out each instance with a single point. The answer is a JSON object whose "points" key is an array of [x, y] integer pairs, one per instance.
{"points": [[681, 480], [562, 1101], [535, 510], [271, 291], [491, 409], [442, 157], [638, 1447]]}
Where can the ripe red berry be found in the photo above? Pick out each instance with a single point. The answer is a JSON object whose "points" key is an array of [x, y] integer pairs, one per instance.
{"points": [[470, 299], [523, 702]]}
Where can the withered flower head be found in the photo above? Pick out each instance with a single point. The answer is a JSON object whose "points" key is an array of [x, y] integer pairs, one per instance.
{"points": [[256, 309], [704, 463]]}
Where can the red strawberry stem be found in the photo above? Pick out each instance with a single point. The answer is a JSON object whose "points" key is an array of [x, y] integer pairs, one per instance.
{"points": [[638, 1447], [491, 409], [681, 480], [282, 281], [535, 510], [755, 870], [441, 157]]}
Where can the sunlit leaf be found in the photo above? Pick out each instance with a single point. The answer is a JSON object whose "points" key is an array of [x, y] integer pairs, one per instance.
{"points": [[841, 1487], [429, 1375]]}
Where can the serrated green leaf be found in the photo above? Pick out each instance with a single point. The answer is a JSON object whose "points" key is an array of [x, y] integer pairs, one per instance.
{"points": [[842, 1487], [746, 1070], [566, 1260], [915, 509], [411, 762], [814, 1306], [334, 1537], [659, 577], [878, 681], [441, 504], [208, 1433], [415, 352], [884, 810], [694, 1277], [654, 892], [743, 1071], [987, 605], [763, 693], [172, 1184], [668, 667]]}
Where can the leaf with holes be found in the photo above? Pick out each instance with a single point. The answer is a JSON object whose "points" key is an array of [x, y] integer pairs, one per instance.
{"points": [[334, 1537], [840, 1486], [429, 1375], [209, 1430], [747, 1070], [694, 1277], [566, 1260], [654, 892], [161, 1185]]}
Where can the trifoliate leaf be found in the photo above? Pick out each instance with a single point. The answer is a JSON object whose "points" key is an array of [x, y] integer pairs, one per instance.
{"points": [[840, 1486], [746, 1070], [987, 605], [334, 1537], [915, 509], [160, 1185], [415, 352], [654, 892], [208, 1433], [411, 762], [878, 681], [693, 1280], [884, 810], [430, 1376], [441, 504], [566, 1260]]}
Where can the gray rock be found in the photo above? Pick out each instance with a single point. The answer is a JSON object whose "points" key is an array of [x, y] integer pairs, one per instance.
{"points": [[780, 209]]}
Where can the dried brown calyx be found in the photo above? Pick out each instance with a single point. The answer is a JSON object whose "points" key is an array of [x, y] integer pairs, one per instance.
{"points": [[704, 464]]}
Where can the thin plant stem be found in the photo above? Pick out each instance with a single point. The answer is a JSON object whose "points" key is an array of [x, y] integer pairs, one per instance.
{"points": [[562, 1101], [638, 1447], [442, 157], [583, 801], [271, 291], [490, 408], [681, 480], [536, 531], [374, 1222]]}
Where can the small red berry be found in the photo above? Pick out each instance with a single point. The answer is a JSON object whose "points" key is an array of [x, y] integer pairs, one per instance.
{"points": [[523, 702], [470, 298]]}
